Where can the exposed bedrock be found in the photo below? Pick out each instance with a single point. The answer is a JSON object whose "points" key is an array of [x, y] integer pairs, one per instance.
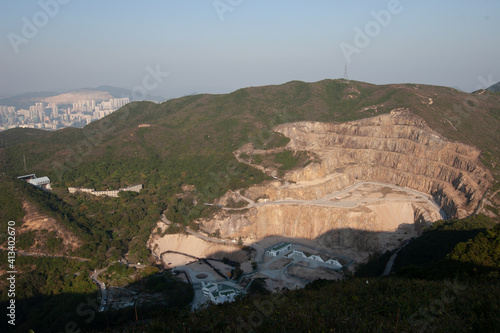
{"points": [[359, 227], [397, 149]]}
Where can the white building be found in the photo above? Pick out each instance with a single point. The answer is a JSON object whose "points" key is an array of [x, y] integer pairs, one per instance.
{"points": [[280, 249], [316, 257], [218, 293], [134, 188], [333, 263], [110, 193], [42, 182], [80, 189], [297, 253], [27, 177]]}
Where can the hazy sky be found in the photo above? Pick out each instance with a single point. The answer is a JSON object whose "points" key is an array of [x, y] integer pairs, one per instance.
{"points": [[220, 46]]}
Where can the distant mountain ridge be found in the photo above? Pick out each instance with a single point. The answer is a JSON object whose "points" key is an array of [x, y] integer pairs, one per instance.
{"points": [[79, 95], [24, 101], [117, 92], [495, 87]]}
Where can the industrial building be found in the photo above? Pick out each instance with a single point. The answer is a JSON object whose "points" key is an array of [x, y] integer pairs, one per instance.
{"points": [[42, 182]]}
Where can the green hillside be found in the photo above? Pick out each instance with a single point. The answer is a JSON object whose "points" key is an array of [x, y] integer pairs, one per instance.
{"points": [[189, 141], [209, 126], [495, 87]]}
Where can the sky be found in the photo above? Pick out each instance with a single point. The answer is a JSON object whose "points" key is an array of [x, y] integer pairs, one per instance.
{"points": [[174, 48]]}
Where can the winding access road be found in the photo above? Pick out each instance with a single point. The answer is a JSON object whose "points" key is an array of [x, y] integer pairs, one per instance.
{"points": [[330, 201], [102, 288]]}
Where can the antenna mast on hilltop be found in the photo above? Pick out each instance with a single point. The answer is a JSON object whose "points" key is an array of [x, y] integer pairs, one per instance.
{"points": [[345, 79]]}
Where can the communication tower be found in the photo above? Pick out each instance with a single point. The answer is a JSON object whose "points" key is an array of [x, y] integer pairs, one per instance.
{"points": [[345, 79]]}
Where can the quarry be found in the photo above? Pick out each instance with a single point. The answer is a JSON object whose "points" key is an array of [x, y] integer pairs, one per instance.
{"points": [[373, 184]]}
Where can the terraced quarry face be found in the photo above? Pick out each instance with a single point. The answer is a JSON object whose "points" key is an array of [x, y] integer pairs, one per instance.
{"points": [[373, 182]]}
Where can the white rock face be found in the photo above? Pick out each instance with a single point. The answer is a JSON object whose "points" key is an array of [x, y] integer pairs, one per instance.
{"points": [[397, 149]]}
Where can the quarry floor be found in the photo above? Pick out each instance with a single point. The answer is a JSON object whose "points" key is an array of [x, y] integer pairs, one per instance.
{"points": [[358, 194], [388, 201], [184, 251]]}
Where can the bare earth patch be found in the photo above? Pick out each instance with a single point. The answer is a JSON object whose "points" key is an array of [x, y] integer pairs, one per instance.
{"points": [[191, 245], [37, 221]]}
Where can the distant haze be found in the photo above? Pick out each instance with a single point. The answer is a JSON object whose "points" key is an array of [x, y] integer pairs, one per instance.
{"points": [[174, 48], [69, 98]]}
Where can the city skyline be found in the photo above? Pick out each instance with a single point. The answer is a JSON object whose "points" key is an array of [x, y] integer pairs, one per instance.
{"points": [[50, 116], [220, 46]]}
